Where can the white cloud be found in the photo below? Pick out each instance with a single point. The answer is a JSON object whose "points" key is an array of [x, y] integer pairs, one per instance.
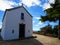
{"points": [[35, 29], [39, 23], [13, 3], [36, 25], [46, 6], [0, 26], [30, 3], [37, 18], [33, 22], [51, 1], [5, 4], [54, 23]]}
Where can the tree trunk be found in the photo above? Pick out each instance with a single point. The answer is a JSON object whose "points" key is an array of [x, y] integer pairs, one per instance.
{"points": [[59, 30]]}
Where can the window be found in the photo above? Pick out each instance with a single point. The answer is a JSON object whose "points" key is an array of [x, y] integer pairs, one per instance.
{"points": [[12, 31], [22, 16]]}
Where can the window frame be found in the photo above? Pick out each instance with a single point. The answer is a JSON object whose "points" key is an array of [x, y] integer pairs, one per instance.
{"points": [[22, 16]]}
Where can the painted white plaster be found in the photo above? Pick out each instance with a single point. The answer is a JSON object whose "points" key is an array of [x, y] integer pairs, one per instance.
{"points": [[11, 22]]}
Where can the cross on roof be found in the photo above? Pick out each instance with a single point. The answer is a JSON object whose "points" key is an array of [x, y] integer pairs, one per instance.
{"points": [[22, 4]]}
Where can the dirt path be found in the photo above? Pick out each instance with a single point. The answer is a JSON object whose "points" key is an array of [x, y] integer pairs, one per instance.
{"points": [[40, 40], [45, 40]]}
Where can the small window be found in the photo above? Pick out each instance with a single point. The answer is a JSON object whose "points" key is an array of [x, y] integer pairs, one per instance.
{"points": [[12, 31], [28, 30], [22, 16]]}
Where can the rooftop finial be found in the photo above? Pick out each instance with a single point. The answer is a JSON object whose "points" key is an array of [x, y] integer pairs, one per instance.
{"points": [[22, 4]]}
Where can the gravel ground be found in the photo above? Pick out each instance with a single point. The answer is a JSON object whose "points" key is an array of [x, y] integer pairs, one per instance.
{"points": [[45, 40], [40, 40]]}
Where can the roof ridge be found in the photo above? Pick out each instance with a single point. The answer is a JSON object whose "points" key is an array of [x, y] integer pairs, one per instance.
{"points": [[13, 9]]}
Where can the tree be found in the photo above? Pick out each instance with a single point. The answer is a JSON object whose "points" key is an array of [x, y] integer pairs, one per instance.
{"points": [[47, 29], [53, 14], [55, 30]]}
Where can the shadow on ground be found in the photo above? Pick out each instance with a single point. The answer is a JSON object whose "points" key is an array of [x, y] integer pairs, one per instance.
{"points": [[31, 41]]}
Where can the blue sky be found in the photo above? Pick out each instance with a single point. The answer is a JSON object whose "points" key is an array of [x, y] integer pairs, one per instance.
{"points": [[35, 7]]}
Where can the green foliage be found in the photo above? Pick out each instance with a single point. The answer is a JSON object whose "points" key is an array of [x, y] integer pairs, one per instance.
{"points": [[55, 30], [47, 29], [53, 13]]}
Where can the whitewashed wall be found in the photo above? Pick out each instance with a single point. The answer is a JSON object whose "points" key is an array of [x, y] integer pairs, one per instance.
{"points": [[3, 27], [12, 21]]}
